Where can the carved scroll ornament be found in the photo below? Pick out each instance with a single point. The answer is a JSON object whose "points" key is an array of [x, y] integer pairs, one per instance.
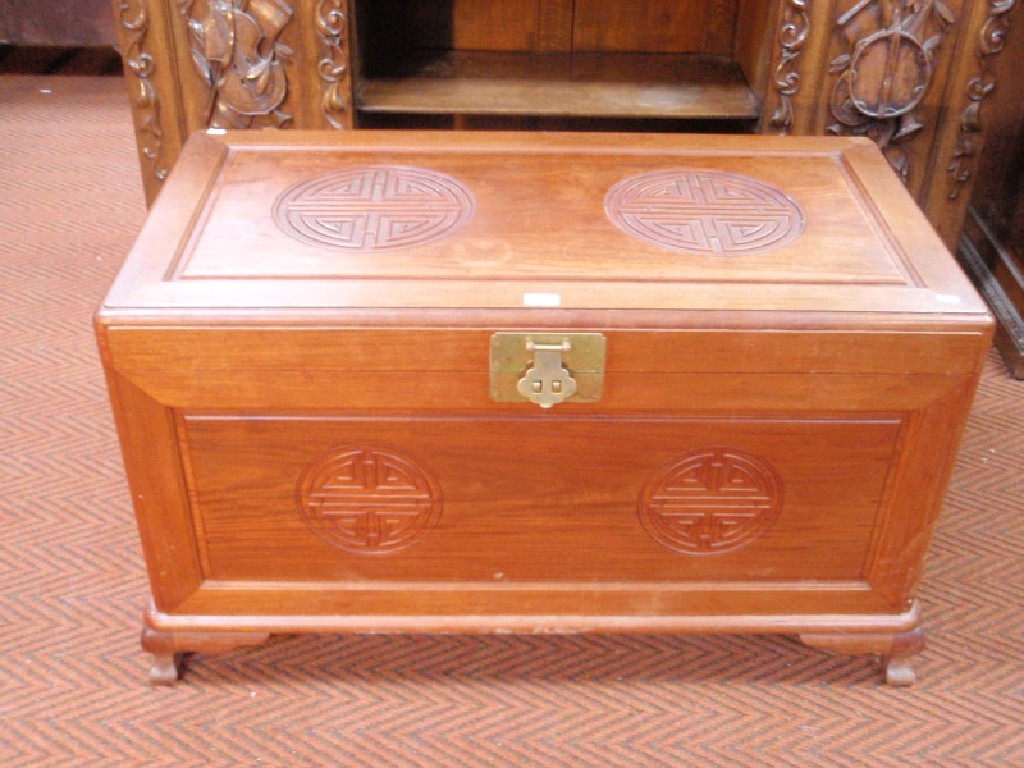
{"points": [[333, 29], [134, 20], [886, 71], [236, 50], [792, 36], [991, 41]]}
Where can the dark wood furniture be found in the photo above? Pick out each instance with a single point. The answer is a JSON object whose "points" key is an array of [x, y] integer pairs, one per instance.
{"points": [[57, 23], [992, 246], [916, 77], [470, 381]]}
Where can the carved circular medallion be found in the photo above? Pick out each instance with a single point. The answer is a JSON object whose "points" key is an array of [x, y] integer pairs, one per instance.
{"points": [[369, 500], [711, 501], [704, 212], [374, 208], [889, 74]]}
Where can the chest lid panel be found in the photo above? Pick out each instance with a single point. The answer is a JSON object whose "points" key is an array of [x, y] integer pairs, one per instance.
{"points": [[516, 221]]}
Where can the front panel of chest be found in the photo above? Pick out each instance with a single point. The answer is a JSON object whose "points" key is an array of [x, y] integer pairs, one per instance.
{"points": [[535, 498]]}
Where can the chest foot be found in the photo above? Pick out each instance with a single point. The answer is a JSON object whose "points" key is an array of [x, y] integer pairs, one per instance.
{"points": [[169, 648], [896, 650]]}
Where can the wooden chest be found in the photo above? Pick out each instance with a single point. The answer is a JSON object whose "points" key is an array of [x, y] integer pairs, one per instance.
{"points": [[537, 383]]}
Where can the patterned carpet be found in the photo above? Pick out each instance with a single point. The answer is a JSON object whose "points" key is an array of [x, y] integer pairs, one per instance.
{"points": [[73, 688]]}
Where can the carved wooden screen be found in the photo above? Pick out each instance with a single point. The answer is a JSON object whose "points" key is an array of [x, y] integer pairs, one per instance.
{"points": [[912, 75]]}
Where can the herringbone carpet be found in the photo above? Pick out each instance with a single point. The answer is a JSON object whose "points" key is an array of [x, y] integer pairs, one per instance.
{"points": [[73, 690]]}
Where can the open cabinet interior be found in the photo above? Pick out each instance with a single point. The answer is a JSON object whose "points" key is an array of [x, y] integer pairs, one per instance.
{"points": [[648, 64]]}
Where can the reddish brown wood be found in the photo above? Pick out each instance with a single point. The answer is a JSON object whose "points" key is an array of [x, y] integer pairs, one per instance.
{"points": [[312, 443], [580, 85], [992, 243], [61, 22], [664, 26], [555, 21]]}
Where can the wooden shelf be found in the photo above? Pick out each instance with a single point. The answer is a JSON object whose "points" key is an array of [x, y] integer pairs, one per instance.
{"points": [[565, 85]]}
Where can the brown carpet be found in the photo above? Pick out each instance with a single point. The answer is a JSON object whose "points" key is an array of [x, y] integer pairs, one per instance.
{"points": [[73, 689]]}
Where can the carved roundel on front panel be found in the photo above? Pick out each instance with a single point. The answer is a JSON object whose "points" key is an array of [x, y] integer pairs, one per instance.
{"points": [[704, 212], [711, 501], [369, 499], [374, 208]]}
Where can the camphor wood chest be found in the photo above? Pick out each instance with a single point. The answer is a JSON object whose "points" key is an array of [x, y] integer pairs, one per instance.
{"points": [[537, 383]]}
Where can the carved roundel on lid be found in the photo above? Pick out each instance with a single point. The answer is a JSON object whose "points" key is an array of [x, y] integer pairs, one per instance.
{"points": [[374, 208], [369, 500], [704, 212], [711, 501]]}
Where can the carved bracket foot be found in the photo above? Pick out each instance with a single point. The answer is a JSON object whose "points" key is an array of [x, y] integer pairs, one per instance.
{"points": [[895, 650], [899, 672], [168, 648], [165, 668]]}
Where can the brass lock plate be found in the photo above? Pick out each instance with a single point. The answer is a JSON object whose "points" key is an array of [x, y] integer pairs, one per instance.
{"points": [[547, 368]]}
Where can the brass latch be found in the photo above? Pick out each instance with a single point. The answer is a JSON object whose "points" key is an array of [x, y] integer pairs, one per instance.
{"points": [[547, 368]]}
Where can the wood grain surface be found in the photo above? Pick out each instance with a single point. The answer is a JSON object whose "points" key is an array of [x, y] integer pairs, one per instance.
{"points": [[297, 352]]}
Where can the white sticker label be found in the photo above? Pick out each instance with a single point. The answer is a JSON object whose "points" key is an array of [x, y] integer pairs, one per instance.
{"points": [[947, 298], [542, 300]]}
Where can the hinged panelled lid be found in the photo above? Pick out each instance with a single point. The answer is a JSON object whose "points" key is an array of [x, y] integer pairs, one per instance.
{"points": [[293, 221]]}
